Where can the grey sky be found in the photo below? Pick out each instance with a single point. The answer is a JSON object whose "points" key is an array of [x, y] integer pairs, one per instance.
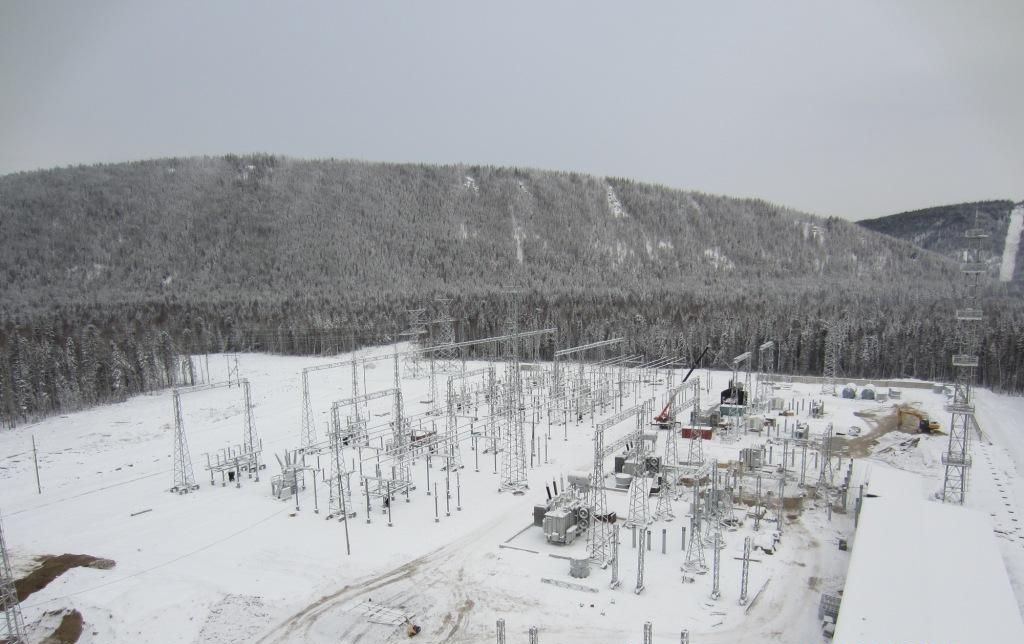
{"points": [[853, 109]]}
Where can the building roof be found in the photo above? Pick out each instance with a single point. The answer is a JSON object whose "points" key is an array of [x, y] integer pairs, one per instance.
{"points": [[922, 571]]}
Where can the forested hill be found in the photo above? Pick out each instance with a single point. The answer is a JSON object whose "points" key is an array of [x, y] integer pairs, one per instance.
{"points": [[109, 271], [256, 227], [941, 229]]}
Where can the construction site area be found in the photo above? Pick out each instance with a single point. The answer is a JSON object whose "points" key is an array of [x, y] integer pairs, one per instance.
{"points": [[505, 489]]}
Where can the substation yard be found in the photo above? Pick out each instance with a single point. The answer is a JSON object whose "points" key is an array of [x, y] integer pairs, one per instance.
{"points": [[235, 564]]}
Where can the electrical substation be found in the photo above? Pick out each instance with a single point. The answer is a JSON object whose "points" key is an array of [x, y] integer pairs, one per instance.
{"points": [[515, 489]]}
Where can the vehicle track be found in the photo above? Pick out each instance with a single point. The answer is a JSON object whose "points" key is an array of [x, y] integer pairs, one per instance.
{"points": [[299, 626]]}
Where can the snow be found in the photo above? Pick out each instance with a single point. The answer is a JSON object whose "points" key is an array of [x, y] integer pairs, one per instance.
{"points": [[614, 205], [718, 259], [926, 572], [227, 564], [1009, 263]]}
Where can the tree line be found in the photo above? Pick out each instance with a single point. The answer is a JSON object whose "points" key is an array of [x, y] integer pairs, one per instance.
{"points": [[114, 274]]}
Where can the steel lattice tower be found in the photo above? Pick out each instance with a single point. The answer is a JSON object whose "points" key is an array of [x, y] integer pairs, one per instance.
{"points": [[184, 479], [695, 453], [825, 474], [745, 575], [640, 563], [765, 368], [957, 457], [445, 332], [340, 503], [669, 463], [414, 334], [695, 561], [12, 629], [597, 535], [639, 488], [833, 347], [716, 564], [513, 475]]}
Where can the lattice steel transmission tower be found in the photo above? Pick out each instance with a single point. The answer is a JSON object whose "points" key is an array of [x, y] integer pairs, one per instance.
{"points": [[695, 561], [340, 503], [957, 457], [825, 474], [833, 349], [445, 335], [12, 628], [513, 474], [414, 335], [639, 513], [184, 479]]}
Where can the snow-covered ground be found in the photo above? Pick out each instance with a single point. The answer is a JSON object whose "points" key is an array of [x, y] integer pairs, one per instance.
{"points": [[1012, 244], [228, 564]]}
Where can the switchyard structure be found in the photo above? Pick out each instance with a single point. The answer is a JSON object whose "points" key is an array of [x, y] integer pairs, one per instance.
{"points": [[957, 457], [231, 462], [380, 444]]}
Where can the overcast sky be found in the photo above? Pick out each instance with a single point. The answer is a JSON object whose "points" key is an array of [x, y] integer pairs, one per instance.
{"points": [[854, 109]]}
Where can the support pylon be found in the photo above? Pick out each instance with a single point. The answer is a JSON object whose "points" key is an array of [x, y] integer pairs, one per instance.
{"points": [[340, 503], [513, 475], [184, 479], [745, 575], [957, 457], [695, 561], [12, 625]]}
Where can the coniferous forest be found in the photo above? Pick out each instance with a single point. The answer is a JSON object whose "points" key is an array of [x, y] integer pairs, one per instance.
{"points": [[111, 274]]}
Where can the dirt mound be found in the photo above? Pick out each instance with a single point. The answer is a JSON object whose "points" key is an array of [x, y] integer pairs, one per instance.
{"points": [[881, 422], [68, 631], [52, 566]]}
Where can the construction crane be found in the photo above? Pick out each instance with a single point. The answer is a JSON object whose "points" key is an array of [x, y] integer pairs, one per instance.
{"points": [[665, 417], [924, 424]]}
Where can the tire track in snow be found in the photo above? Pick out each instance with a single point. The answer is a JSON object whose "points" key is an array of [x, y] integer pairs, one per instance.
{"points": [[298, 626]]}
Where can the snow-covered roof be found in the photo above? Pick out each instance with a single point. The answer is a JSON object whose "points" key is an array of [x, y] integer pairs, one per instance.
{"points": [[922, 571]]}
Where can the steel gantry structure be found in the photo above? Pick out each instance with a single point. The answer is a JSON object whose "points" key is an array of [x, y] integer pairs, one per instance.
{"points": [[308, 425], [556, 381], [599, 535], [244, 458]]}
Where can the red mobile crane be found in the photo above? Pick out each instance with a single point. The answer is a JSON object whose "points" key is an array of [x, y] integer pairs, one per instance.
{"points": [[665, 417]]}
